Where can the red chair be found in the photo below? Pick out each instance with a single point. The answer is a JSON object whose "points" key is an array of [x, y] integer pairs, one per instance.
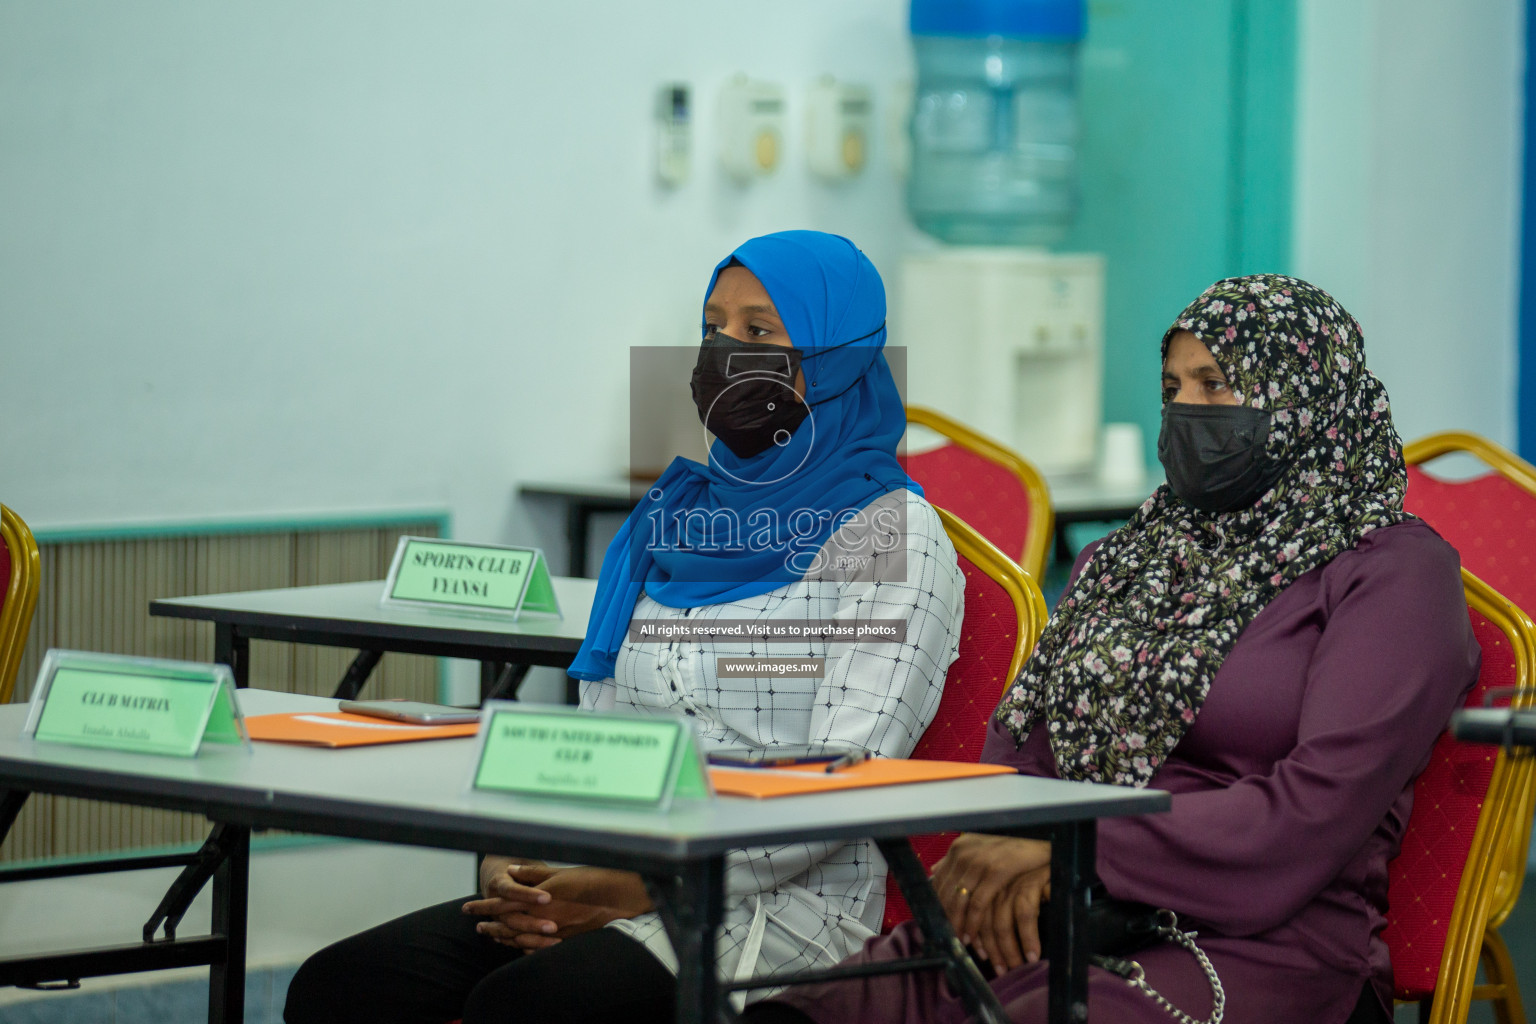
{"points": [[20, 574], [1463, 853], [1491, 520], [1004, 614], [991, 487]]}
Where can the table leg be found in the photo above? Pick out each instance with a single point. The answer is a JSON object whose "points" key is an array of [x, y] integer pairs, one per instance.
{"points": [[1073, 854], [504, 682], [490, 677], [232, 649], [1062, 545], [578, 529], [692, 904], [356, 676], [231, 902], [11, 803], [939, 938]]}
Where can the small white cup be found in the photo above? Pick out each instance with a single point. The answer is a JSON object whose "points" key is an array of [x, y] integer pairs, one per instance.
{"points": [[1122, 459]]}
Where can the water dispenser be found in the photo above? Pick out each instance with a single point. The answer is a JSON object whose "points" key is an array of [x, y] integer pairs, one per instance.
{"points": [[994, 120], [1000, 332]]}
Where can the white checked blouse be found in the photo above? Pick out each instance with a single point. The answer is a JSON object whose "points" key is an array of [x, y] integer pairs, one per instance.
{"points": [[804, 905]]}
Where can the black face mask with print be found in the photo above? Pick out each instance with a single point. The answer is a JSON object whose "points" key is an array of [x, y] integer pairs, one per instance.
{"points": [[1214, 455], [745, 393]]}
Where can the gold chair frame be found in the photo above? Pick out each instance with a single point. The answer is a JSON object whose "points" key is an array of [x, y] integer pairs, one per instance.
{"points": [[1495, 868], [1503, 461], [1042, 516], [20, 596], [1501, 987], [1020, 586]]}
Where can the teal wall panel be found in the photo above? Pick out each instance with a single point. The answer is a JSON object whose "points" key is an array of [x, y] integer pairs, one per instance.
{"points": [[1264, 35], [1186, 167]]}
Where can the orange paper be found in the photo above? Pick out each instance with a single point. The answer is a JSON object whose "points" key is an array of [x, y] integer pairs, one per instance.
{"points": [[878, 771], [339, 729]]}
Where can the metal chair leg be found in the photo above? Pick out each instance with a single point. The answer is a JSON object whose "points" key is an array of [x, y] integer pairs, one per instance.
{"points": [[1503, 986]]}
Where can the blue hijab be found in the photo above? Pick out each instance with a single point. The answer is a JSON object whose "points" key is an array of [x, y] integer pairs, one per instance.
{"points": [[786, 501]]}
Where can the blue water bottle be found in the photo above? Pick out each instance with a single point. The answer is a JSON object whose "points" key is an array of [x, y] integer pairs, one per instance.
{"points": [[994, 119]]}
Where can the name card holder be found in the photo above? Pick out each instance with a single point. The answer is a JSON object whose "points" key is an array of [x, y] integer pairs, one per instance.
{"points": [[140, 705], [479, 579], [557, 753]]}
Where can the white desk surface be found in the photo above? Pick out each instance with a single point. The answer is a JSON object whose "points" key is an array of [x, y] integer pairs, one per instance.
{"points": [[357, 604]]}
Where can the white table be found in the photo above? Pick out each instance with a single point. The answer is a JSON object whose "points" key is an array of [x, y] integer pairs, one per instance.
{"points": [[416, 793], [349, 615]]}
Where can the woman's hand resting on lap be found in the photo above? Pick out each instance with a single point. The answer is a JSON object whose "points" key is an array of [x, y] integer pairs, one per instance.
{"points": [[991, 888], [531, 905]]}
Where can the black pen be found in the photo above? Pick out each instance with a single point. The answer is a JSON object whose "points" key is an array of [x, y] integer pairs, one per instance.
{"points": [[847, 761]]}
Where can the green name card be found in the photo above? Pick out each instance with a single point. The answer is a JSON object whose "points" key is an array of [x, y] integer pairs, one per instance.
{"points": [[584, 755], [482, 578], [143, 705]]}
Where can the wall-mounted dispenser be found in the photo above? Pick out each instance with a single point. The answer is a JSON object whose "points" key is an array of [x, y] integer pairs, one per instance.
{"points": [[674, 133], [751, 127], [837, 127]]}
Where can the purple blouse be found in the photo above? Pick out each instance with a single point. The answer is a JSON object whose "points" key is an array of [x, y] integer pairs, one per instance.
{"points": [[1290, 795]]}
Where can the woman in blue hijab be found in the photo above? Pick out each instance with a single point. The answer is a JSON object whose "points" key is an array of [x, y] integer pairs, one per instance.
{"points": [[801, 516], [821, 455]]}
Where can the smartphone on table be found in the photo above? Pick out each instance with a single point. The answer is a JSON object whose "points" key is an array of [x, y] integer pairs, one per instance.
{"points": [[786, 756], [414, 711]]}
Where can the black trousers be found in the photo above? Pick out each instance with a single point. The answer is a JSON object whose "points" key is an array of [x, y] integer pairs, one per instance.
{"points": [[431, 967]]}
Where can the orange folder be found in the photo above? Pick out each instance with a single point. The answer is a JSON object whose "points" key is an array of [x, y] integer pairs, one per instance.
{"points": [[877, 771], [339, 729]]}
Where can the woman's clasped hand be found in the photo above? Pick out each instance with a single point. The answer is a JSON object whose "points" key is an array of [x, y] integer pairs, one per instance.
{"points": [[991, 888], [530, 905]]}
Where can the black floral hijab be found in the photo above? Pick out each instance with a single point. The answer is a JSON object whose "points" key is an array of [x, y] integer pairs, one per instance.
{"points": [[1125, 663]]}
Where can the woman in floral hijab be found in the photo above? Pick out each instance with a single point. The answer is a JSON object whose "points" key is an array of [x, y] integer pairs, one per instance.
{"points": [[1271, 639], [1178, 585]]}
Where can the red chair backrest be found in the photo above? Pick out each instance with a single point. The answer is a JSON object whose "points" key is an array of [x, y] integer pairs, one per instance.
{"points": [[1490, 521], [1447, 800], [986, 494], [974, 685]]}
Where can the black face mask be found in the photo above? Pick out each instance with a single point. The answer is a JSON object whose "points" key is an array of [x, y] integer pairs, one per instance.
{"points": [[746, 393], [1214, 455]]}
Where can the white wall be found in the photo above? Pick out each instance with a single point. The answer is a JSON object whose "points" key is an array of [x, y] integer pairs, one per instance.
{"points": [[1407, 204], [289, 257]]}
